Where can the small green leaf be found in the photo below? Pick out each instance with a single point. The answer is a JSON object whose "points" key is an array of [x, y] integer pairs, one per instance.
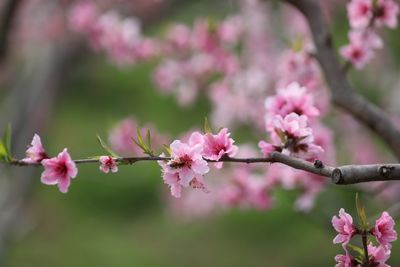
{"points": [[362, 217], [3, 151], [207, 128], [356, 249], [148, 139], [137, 143], [7, 139], [105, 146], [167, 150], [140, 138]]}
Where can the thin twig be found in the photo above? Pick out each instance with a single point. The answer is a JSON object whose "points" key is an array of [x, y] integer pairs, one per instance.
{"points": [[342, 175]]}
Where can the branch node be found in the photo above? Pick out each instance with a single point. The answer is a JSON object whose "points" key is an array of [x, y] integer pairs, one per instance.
{"points": [[318, 164], [385, 170], [337, 176]]}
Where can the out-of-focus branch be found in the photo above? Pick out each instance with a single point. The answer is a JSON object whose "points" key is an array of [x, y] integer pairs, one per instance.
{"points": [[347, 174], [342, 92], [6, 20]]}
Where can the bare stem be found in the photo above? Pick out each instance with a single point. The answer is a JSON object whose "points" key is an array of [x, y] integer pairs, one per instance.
{"points": [[365, 245]]}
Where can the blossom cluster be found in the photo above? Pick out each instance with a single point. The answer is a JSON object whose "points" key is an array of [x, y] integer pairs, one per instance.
{"points": [[379, 254], [58, 170], [188, 164], [365, 16], [286, 119], [231, 61], [120, 38], [193, 56]]}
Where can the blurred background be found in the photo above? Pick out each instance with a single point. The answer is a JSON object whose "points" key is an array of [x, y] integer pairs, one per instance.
{"points": [[59, 88]]}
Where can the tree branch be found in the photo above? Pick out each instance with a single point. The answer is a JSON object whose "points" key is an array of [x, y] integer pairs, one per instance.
{"points": [[343, 175], [343, 94], [6, 20]]}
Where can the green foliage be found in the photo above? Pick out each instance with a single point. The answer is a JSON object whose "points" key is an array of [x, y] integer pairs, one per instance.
{"points": [[106, 147], [5, 146], [207, 127], [145, 146], [362, 217]]}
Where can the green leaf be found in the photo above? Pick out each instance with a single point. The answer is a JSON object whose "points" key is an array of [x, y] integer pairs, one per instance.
{"points": [[207, 128], [167, 150], [7, 139], [105, 146], [140, 138], [148, 138], [146, 147], [362, 217], [356, 249], [3, 151], [137, 143]]}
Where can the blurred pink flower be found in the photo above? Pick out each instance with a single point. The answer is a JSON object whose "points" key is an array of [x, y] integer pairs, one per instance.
{"points": [[366, 37], [267, 148], [108, 163], [344, 260], [357, 54], [379, 255], [384, 230], [218, 145], [299, 67], [386, 13], [59, 171], [231, 29], [82, 16], [246, 190], [360, 13], [35, 152], [293, 98], [344, 226]]}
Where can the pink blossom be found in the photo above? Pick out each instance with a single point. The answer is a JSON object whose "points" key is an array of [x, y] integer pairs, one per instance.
{"points": [[366, 37], [82, 16], [218, 145], [357, 54], [196, 138], [267, 148], [121, 135], [344, 226], [309, 185], [379, 255], [167, 75], [108, 163], [344, 260], [59, 171], [246, 190], [35, 153], [294, 136], [203, 36], [386, 13], [384, 230], [231, 29], [359, 13], [186, 168], [299, 67], [293, 98], [178, 37]]}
